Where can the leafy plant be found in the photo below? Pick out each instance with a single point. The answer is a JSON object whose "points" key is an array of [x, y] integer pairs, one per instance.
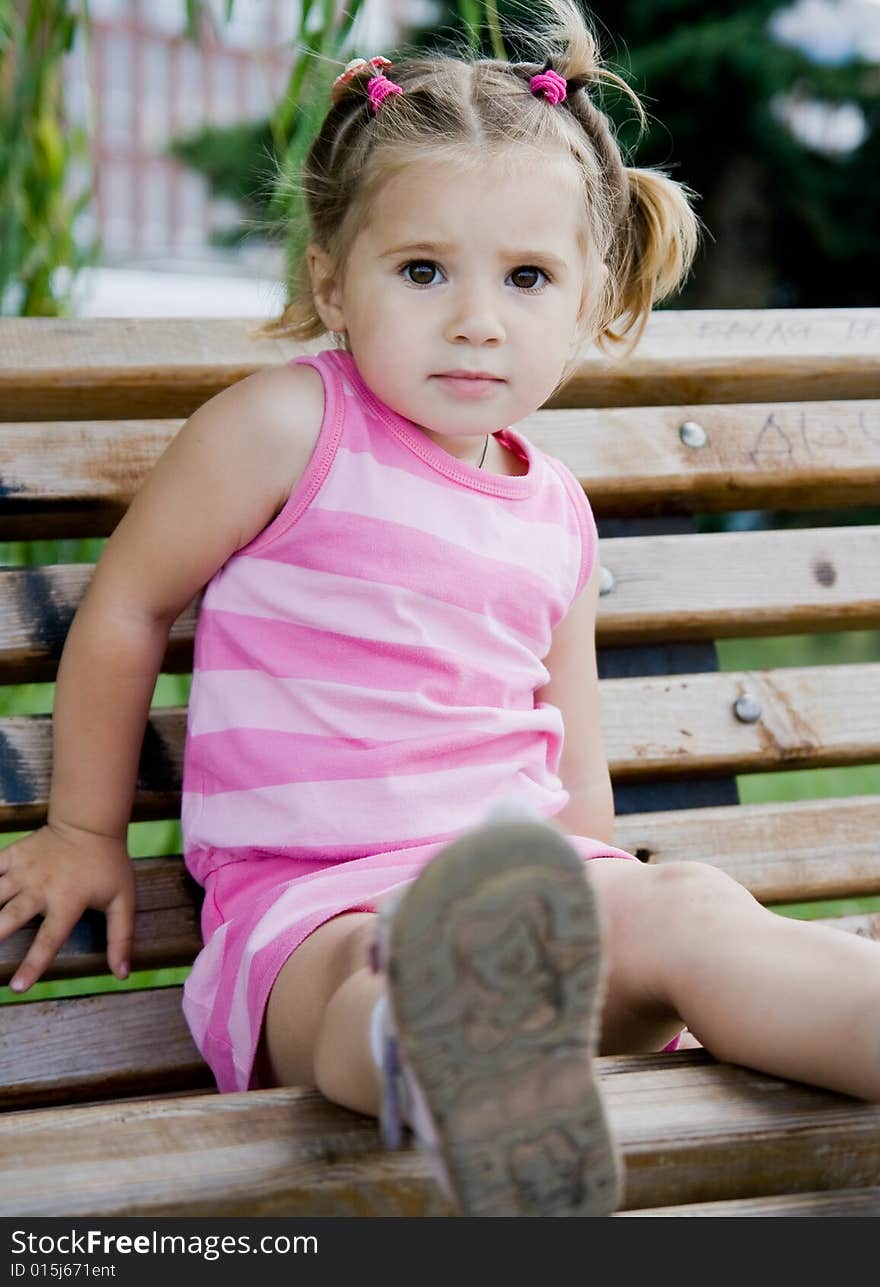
{"points": [[39, 251]]}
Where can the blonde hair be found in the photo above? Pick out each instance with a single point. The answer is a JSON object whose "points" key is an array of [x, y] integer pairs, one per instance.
{"points": [[638, 222]]}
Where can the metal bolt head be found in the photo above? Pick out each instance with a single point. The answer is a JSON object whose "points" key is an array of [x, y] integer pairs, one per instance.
{"points": [[692, 434], [747, 709], [606, 580]]}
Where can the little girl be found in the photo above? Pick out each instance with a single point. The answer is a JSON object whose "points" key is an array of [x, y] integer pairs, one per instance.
{"points": [[394, 706]]}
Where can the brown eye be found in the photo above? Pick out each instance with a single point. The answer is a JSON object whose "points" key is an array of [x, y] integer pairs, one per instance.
{"points": [[528, 271], [420, 271]]}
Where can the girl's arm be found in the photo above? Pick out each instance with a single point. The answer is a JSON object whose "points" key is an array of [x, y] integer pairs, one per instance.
{"points": [[573, 687], [216, 486], [219, 482]]}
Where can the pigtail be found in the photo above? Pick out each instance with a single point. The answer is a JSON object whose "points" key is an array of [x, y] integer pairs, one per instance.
{"points": [[655, 246]]}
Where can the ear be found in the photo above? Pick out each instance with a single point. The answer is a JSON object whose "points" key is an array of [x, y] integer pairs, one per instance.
{"points": [[325, 288]]}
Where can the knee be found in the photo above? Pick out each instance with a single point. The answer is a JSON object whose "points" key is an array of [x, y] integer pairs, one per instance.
{"points": [[677, 903], [695, 909], [653, 903], [694, 888]]}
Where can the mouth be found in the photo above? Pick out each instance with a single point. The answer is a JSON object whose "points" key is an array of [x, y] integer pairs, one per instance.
{"points": [[469, 384]]}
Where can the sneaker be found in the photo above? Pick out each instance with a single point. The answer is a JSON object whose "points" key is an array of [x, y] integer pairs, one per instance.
{"points": [[493, 965]]}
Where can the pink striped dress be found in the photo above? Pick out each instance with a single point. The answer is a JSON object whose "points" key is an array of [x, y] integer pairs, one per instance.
{"points": [[363, 691]]}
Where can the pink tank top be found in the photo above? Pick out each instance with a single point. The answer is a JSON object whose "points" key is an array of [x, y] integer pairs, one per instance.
{"points": [[365, 668]]}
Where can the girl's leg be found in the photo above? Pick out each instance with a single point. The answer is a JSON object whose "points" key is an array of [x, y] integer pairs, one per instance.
{"points": [[316, 1028], [685, 944], [786, 997]]}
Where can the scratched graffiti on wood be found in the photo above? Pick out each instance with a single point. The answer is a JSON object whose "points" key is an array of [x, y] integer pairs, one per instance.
{"points": [[784, 331], [796, 437]]}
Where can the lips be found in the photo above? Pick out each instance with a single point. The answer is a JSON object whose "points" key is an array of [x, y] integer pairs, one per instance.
{"points": [[468, 375]]}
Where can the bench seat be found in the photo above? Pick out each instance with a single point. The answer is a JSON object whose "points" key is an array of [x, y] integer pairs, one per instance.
{"points": [[107, 1106]]}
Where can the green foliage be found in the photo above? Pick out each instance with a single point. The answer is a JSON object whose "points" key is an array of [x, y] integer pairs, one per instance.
{"points": [[240, 162], [39, 252]]}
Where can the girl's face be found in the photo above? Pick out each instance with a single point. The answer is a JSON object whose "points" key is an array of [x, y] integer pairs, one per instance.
{"points": [[480, 272]]}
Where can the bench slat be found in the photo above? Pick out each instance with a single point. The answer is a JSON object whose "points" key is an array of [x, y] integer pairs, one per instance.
{"points": [[784, 582], [168, 366], [37, 606], [689, 1129], [665, 588], [757, 456], [76, 478], [836, 1202], [781, 852], [654, 728], [98, 1047], [810, 717]]}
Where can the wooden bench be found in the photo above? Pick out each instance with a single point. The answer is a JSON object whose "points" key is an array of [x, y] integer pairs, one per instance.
{"points": [[110, 1109]]}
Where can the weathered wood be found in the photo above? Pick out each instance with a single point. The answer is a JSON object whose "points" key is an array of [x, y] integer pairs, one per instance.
{"points": [[786, 455], [836, 1202], [76, 478], [37, 606], [782, 852], [98, 1047], [689, 1129], [665, 588], [734, 584], [810, 717], [51, 369]]}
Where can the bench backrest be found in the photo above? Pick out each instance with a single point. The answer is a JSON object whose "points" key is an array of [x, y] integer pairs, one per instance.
{"points": [[716, 411]]}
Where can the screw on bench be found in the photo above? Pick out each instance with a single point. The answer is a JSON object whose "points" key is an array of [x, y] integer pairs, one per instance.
{"points": [[606, 580], [747, 709], [692, 434]]}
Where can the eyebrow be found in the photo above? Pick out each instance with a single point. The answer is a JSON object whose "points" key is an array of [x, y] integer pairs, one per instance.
{"points": [[445, 248]]}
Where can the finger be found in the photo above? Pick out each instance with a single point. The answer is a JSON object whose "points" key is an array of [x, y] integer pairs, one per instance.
{"points": [[8, 888], [120, 933], [49, 937], [20, 909]]}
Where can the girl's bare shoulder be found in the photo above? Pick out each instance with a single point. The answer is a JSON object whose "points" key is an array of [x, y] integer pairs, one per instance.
{"points": [[219, 482], [283, 409]]}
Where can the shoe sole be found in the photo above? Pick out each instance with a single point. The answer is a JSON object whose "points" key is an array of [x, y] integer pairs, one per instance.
{"points": [[495, 980]]}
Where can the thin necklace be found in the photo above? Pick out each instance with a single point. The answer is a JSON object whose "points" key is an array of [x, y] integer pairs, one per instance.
{"points": [[483, 457]]}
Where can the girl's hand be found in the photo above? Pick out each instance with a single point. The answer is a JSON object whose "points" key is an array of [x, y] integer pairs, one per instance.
{"points": [[57, 872]]}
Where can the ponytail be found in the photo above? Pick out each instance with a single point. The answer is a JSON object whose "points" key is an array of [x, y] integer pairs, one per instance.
{"points": [[655, 247]]}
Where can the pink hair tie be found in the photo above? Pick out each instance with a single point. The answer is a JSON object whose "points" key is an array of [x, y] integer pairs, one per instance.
{"points": [[357, 67], [549, 83], [378, 90]]}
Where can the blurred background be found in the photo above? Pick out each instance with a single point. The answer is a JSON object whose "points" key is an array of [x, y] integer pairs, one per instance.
{"points": [[141, 138], [141, 143]]}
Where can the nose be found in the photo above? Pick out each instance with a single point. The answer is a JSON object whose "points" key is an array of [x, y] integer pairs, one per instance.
{"points": [[475, 315]]}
